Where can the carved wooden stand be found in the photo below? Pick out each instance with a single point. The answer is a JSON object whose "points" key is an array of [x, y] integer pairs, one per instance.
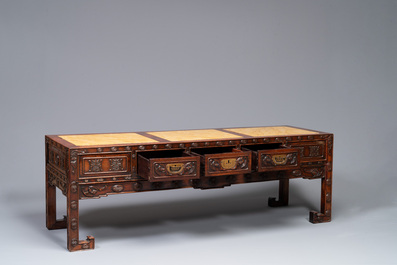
{"points": [[92, 166]]}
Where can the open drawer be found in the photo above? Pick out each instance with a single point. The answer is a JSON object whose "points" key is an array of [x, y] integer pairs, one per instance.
{"points": [[168, 165], [218, 161], [267, 157]]}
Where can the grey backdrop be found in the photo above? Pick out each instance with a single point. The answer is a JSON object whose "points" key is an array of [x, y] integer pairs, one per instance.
{"points": [[115, 66]]}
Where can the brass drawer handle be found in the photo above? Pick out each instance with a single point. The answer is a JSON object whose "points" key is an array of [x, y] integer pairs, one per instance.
{"points": [[279, 159], [228, 163], [175, 168]]}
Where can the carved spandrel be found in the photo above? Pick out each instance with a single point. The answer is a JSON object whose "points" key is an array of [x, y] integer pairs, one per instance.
{"points": [[313, 173], [97, 191], [92, 191]]}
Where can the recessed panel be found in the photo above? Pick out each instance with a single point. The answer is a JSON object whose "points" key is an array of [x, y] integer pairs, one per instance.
{"points": [[270, 131], [194, 135], [107, 139]]}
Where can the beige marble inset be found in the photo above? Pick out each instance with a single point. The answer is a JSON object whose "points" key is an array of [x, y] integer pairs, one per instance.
{"points": [[270, 131], [194, 135], [106, 139]]}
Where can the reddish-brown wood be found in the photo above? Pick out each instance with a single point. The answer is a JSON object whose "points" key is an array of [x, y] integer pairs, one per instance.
{"points": [[170, 165], [98, 170], [235, 161], [283, 194]]}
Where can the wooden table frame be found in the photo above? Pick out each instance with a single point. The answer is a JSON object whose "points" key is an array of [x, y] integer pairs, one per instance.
{"points": [[94, 170]]}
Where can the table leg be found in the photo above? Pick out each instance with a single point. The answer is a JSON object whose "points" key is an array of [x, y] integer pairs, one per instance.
{"points": [[326, 200], [283, 194], [73, 241], [51, 221]]}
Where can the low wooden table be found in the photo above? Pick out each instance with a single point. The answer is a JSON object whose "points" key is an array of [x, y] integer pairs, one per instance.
{"points": [[87, 166]]}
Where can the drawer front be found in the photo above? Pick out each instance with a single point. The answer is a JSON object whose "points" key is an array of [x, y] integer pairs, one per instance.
{"points": [[310, 150], [105, 165], [178, 168], [279, 159], [227, 163]]}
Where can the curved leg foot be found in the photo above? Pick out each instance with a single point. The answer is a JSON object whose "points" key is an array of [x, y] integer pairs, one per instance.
{"points": [[73, 242], [326, 201], [316, 217], [77, 245]]}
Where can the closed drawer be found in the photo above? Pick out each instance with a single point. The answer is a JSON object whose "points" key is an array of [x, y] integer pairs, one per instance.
{"points": [[223, 161], [168, 165], [310, 150], [95, 165], [273, 157]]}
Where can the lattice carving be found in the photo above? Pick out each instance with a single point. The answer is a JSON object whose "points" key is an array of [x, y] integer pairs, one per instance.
{"points": [[314, 150]]}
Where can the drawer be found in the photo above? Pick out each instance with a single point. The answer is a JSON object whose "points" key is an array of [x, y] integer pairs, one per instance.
{"points": [[273, 157], [310, 150], [95, 165], [218, 161], [168, 165]]}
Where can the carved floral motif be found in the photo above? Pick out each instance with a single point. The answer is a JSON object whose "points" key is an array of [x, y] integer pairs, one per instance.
{"points": [[73, 160], [74, 223], [74, 187], [95, 165], [116, 164], [312, 173], [118, 188], [91, 191], [74, 205]]}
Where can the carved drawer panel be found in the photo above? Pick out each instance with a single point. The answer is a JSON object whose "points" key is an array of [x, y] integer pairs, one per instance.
{"points": [[219, 161], [310, 150], [168, 165], [273, 157], [105, 165]]}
